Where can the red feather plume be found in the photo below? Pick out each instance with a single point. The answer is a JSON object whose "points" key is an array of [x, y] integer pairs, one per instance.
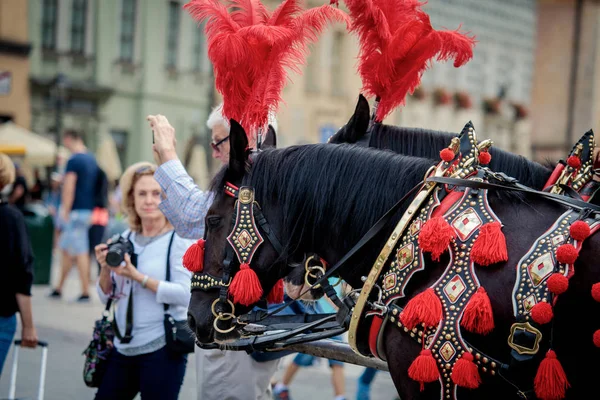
{"points": [[251, 47], [397, 42]]}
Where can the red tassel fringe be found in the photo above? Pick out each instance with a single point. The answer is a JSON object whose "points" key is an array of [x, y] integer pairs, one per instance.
{"points": [[566, 254], [435, 237], [425, 308], [245, 287], [579, 230], [465, 372], [424, 368], [275, 296], [193, 259], [596, 291], [490, 246], [484, 158], [558, 283], [550, 381], [478, 316], [542, 313]]}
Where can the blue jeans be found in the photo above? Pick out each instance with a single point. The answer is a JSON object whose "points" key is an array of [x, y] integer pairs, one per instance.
{"points": [[367, 376], [8, 327], [158, 375]]}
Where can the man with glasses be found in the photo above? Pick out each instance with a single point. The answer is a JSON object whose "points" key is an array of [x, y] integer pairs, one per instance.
{"points": [[233, 375]]}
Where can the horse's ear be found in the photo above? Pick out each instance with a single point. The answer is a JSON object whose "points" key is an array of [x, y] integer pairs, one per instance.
{"points": [[357, 126], [238, 150], [270, 140]]}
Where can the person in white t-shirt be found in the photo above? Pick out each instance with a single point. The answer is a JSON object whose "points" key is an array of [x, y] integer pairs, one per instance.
{"points": [[141, 362]]}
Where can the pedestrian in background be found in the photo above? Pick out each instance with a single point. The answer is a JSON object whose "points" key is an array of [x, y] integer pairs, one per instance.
{"points": [[77, 203], [16, 268], [141, 362]]}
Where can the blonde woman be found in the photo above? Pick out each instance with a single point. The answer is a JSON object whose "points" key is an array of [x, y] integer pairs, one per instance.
{"points": [[140, 362], [16, 268]]}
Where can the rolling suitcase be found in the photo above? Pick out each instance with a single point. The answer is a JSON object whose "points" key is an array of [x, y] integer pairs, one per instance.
{"points": [[13, 374]]}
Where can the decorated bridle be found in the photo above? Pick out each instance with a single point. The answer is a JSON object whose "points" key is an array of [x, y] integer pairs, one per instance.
{"points": [[243, 242]]}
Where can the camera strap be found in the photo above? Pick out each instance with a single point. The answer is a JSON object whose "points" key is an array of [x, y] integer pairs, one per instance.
{"points": [[168, 272], [129, 315]]}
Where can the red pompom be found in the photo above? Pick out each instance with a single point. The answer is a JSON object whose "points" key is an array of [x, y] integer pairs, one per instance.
{"points": [[574, 162], [484, 158], [490, 246], [245, 287], [447, 154], [275, 296], [478, 316], [558, 283], [597, 338], [579, 230], [596, 291], [465, 372], [424, 368], [424, 308], [193, 259], [566, 254], [550, 381], [435, 237], [542, 313]]}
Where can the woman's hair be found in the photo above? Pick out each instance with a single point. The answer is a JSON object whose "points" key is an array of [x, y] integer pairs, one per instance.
{"points": [[7, 171], [216, 117], [127, 183]]}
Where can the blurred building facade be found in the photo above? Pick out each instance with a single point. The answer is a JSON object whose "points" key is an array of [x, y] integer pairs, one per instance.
{"points": [[103, 66], [14, 63]]}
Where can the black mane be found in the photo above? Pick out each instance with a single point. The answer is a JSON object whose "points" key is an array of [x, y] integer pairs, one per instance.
{"points": [[428, 143], [315, 195]]}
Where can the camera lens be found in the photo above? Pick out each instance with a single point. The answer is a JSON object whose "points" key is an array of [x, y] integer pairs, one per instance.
{"points": [[114, 257]]}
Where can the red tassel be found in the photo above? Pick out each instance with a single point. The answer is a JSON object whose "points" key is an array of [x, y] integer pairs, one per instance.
{"points": [[447, 154], [579, 230], [596, 291], [478, 316], [465, 372], [490, 246], [424, 308], [424, 368], [574, 162], [245, 287], [193, 259], [435, 237], [558, 283], [597, 338], [550, 381], [275, 296], [542, 313], [566, 254], [484, 158]]}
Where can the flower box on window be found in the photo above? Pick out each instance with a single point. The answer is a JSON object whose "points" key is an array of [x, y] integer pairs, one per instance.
{"points": [[441, 97], [491, 106], [463, 100], [521, 112]]}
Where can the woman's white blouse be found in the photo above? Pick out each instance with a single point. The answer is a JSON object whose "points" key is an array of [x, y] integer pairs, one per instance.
{"points": [[148, 310]]}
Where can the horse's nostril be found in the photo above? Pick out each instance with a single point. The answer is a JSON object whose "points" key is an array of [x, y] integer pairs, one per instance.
{"points": [[191, 322]]}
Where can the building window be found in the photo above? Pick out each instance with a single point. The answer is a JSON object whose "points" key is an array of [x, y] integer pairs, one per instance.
{"points": [[337, 77], [78, 20], [120, 139], [197, 50], [173, 38], [127, 30], [49, 19]]}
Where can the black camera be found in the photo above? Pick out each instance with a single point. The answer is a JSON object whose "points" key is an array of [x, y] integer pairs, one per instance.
{"points": [[117, 249]]}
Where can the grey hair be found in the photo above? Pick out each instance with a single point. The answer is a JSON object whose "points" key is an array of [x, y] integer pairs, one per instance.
{"points": [[216, 117]]}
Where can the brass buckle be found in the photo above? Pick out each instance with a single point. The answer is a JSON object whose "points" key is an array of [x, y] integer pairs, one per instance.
{"points": [[524, 326]]}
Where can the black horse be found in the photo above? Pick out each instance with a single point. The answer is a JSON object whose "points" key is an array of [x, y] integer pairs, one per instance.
{"points": [[427, 143], [323, 198]]}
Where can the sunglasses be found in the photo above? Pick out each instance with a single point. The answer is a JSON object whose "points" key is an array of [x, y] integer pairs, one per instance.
{"points": [[216, 145]]}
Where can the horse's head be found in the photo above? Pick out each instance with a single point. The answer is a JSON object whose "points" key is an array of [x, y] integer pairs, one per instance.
{"points": [[357, 126], [241, 262]]}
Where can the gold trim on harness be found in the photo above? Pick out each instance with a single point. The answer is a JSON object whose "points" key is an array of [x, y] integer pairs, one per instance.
{"points": [[526, 327]]}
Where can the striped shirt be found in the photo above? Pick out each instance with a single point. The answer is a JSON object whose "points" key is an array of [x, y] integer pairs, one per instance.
{"points": [[183, 203]]}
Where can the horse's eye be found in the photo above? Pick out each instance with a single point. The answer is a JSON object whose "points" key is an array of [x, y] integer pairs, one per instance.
{"points": [[213, 221]]}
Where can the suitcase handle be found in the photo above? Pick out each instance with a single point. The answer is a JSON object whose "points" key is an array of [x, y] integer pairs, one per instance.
{"points": [[41, 343]]}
